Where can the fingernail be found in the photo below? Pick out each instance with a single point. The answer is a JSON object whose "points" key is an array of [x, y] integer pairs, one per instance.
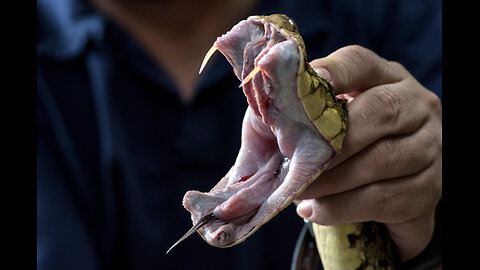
{"points": [[322, 72], [304, 209]]}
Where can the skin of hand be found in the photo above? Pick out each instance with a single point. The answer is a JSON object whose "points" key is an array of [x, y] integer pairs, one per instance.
{"points": [[390, 168]]}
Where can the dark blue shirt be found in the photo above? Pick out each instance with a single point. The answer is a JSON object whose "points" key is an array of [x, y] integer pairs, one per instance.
{"points": [[117, 148]]}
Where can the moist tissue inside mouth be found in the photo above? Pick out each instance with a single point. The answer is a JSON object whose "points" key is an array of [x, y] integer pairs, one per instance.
{"points": [[281, 152]]}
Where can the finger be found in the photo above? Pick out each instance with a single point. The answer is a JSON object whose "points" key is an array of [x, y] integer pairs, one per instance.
{"points": [[387, 158], [390, 201], [387, 110], [356, 68], [395, 103]]}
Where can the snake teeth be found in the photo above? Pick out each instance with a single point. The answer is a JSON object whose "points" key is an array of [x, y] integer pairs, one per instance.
{"points": [[250, 75], [207, 57]]}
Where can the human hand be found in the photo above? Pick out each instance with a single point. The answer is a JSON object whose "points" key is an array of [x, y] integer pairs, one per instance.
{"points": [[389, 170]]}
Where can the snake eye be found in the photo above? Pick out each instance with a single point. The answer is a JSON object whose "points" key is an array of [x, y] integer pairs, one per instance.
{"points": [[290, 25]]}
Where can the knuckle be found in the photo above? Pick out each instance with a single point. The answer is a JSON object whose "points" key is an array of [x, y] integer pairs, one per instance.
{"points": [[435, 106], [433, 146], [399, 68], [385, 105], [360, 56], [430, 138], [396, 64], [379, 157], [433, 102], [379, 199]]}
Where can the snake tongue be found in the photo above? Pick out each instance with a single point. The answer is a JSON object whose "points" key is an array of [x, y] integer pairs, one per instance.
{"points": [[282, 151]]}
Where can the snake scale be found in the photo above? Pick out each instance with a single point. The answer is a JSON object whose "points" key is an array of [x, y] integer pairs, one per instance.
{"points": [[294, 125]]}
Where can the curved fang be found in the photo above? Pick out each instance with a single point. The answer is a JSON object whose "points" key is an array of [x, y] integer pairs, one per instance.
{"points": [[202, 222], [250, 76], [207, 56]]}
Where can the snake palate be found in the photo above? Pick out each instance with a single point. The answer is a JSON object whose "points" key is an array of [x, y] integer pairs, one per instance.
{"points": [[294, 125]]}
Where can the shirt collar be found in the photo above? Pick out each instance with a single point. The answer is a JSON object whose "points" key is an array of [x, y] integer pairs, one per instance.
{"points": [[64, 28]]}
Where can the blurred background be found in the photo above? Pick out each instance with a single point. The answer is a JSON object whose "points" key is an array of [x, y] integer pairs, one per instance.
{"points": [[126, 126]]}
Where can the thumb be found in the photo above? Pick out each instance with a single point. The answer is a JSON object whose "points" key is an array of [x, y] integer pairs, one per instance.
{"points": [[355, 68]]}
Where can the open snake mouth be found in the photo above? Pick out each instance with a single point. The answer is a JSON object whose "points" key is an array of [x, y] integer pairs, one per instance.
{"points": [[282, 151]]}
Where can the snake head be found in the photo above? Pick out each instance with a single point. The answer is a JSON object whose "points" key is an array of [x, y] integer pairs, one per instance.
{"points": [[288, 131]]}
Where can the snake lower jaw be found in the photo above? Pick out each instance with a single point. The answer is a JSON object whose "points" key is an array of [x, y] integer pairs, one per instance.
{"points": [[238, 202]]}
